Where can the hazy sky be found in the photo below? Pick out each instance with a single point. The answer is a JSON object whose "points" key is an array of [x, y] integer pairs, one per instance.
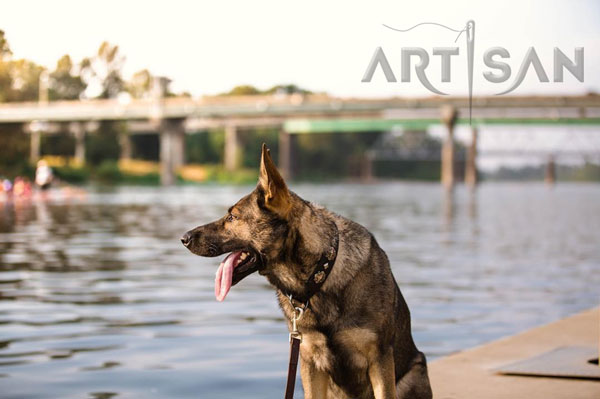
{"points": [[209, 47]]}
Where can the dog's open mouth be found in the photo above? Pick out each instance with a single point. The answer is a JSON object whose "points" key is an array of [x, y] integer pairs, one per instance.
{"points": [[233, 269]]}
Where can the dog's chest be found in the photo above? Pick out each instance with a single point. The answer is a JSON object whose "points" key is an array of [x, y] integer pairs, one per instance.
{"points": [[315, 350], [351, 348], [344, 356]]}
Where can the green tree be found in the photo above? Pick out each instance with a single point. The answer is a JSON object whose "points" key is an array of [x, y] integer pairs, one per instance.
{"points": [[64, 83], [104, 143], [205, 147], [4, 47], [19, 79], [242, 90], [140, 85], [5, 81], [25, 77], [287, 89], [248, 90], [5, 78], [13, 144], [104, 70]]}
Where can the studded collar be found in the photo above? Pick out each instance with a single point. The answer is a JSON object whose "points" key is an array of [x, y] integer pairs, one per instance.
{"points": [[320, 273]]}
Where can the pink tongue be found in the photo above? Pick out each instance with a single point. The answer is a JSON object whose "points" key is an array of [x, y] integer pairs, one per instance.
{"points": [[225, 275]]}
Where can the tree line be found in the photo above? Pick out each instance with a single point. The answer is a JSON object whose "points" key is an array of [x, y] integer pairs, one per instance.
{"points": [[100, 75], [97, 76]]}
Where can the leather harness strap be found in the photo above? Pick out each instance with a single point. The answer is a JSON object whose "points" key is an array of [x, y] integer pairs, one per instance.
{"points": [[313, 285]]}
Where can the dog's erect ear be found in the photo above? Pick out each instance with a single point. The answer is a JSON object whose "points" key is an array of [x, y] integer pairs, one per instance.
{"points": [[276, 194]]}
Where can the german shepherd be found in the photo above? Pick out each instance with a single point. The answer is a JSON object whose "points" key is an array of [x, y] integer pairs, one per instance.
{"points": [[356, 329]]}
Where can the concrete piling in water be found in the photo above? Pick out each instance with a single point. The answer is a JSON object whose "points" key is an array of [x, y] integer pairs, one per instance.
{"points": [[172, 149], [367, 174], [232, 148], [78, 131], [471, 163], [286, 154], [172, 135], [125, 146], [178, 131], [35, 139], [448, 118], [36, 126], [550, 177]]}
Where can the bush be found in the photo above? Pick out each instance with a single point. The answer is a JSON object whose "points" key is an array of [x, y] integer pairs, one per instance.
{"points": [[108, 172], [218, 174], [150, 179], [70, 174]]}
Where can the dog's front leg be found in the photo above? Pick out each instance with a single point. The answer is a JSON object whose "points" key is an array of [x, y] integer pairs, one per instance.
{"points": [[314, 381], [382, 375]]}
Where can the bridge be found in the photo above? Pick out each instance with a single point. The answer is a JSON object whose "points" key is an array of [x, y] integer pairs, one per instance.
{"points": [[292, 114]]}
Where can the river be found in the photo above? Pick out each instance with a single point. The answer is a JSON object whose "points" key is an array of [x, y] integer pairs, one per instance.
{"points": [[99, 299]]}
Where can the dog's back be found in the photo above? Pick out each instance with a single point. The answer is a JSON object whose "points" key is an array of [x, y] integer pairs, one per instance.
{"points": [[363, 303]]}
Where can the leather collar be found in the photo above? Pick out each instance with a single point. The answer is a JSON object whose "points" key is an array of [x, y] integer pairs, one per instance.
{"points": [[320, 273]]}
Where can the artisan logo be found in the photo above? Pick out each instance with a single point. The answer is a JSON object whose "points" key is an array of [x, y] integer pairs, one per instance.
{"points": [[492, 58]]}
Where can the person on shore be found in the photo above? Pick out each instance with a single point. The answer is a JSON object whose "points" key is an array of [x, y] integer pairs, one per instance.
{"points": [[22, 187], [43, 175], [6, 189]]}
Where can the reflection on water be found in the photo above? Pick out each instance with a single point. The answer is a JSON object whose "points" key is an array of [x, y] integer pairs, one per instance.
{"points": [[98, 299]]}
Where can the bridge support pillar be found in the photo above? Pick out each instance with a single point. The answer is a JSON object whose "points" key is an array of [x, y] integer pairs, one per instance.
{"points": [[550, 177], [172, 149], [125, 144], [78, 129], [286, 154], [232, 151], [178, 145], [366, 168], [34, 146], [471, 164], [449, 115]]}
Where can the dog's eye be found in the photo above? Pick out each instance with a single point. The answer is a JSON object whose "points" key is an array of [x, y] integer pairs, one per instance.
{"points": [[231, 218]]}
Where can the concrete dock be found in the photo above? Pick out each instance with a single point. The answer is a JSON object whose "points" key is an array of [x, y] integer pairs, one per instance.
{"points": [[470, 374]]}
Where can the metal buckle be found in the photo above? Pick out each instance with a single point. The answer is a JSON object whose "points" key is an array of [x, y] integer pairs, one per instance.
{"points": [[296, 335], [298, 313]]}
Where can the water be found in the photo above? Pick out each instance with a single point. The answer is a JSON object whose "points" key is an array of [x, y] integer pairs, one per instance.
{"points": [[98, 299]]}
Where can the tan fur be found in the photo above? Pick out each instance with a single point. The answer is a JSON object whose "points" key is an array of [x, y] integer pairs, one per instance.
{"points": [[315, 381], [277, 196], [314, 350], [381, 374], [363, 343]]}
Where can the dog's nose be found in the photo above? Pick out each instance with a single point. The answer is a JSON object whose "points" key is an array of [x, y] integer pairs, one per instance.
{"points": [[186, 239]]}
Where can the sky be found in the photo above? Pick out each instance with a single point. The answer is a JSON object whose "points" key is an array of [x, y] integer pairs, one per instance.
{"points": [[325, 46]]}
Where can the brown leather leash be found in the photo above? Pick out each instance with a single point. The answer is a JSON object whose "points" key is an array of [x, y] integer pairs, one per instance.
{"points": [[291, 381], [314, 283], [295, 340]]}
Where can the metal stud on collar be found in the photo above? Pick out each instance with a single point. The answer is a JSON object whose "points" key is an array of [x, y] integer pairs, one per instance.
{"points": [[331, 253], [319, 277]]}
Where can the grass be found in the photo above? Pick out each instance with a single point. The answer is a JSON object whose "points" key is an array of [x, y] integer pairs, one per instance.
{"points": [[139, 172]]}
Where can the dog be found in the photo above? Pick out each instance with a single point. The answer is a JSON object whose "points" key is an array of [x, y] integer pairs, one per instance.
{"points": [[356, 330]]}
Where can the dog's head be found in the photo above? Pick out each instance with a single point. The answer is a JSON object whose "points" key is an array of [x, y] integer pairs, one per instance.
{"points": [[252, 231]]}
